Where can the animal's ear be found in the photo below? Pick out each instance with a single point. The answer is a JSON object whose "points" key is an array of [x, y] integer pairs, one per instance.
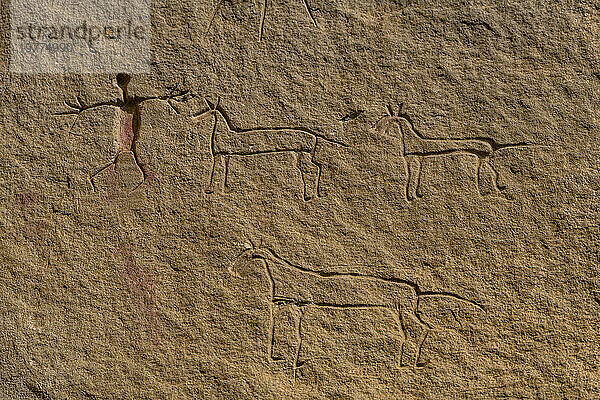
{"points": [[248, 246], [208, 104], [390, 112], [400, 108]]}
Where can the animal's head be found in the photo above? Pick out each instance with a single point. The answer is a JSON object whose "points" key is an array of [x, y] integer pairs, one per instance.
{"points": [[390, 120], [250, 253], [212, 109], [395, 126]]}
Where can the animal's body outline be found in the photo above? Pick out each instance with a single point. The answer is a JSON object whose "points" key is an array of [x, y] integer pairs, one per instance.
{"points": [[131, 105], [305, 152], [416, 147], [267, 255]]}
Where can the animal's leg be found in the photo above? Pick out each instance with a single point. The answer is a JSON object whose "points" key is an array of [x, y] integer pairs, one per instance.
{"points": [[482, 168], [413, 184], [225, 185], [304, 164], [420, 350], [272, 310], [297, 363], [407, 175], [397, 314], [497, 184], [102, 169], [418, 191], [319, 173], [426, 327], [210, 188]]}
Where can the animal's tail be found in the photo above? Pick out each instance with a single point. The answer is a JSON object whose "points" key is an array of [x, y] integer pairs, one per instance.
{"points": [[451, 296], [334, 141], [499, 146]]}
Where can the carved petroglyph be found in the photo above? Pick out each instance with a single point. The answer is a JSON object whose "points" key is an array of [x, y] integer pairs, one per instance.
{"points": [[305, 289], [415, 147], [127, 125], [263, 16], [227, 141]]}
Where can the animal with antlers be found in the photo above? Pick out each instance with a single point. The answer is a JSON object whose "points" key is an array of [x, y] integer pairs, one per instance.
{"points": [[304, 289], [415, 147], [128, 125], [227, 141]]}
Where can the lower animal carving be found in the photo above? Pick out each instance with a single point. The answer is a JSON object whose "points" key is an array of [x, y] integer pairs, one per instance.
{"points": [[304, 289]]}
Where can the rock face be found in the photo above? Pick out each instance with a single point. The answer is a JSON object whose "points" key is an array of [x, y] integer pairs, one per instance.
{"points": [[309, 200]]}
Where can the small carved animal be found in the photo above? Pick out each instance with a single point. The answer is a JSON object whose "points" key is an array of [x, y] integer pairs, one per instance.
{"points": [[226, 141], [415, 147]]}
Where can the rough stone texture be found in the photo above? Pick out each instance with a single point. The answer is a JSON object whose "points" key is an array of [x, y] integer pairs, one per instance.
{"points": [[111, 294]]}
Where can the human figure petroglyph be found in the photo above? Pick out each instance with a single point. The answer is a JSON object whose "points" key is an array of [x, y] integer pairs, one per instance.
{"points": [[305, 288], [227, 141], [127, 124], [415, 147], [263, 16]]}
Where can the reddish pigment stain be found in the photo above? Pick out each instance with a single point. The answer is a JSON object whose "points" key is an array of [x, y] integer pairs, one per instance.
{"points": [[125, 133], [141, 284]]}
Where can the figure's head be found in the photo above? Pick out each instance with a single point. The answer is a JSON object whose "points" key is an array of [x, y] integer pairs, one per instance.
{"points": [[123, 80], [250, 253]]}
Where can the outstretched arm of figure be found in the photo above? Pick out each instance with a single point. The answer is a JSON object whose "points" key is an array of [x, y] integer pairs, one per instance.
{"points": [[181, 96], [79, 107]]}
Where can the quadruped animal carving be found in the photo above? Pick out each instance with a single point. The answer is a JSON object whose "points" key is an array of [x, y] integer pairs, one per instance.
{"points": [[129, 123], [415, 147], [304, 289], [227, 141]]}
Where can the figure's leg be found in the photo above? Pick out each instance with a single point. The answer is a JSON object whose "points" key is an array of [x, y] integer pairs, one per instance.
{"points": [[307, 6], [414, 177], [140, 166], [212, 18], [102, 169], [210, 188], [263, 16], [297, 362]]}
